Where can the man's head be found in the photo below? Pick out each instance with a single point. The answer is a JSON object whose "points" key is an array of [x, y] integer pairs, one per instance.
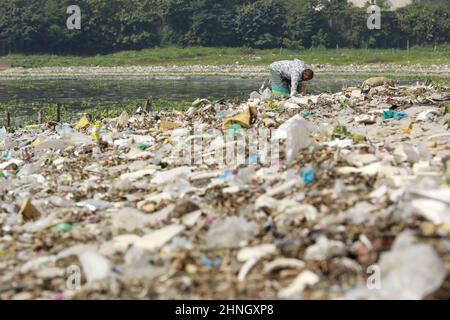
{"points": [[307, 75]]}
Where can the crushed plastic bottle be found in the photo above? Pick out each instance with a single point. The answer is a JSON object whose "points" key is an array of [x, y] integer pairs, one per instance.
{"points": [[230, 232], [129, 219], [296, 131], [3, 133], [95, 266], [410, 271], [65, 131]]}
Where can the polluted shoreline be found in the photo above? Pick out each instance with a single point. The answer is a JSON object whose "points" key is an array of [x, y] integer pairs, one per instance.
{"points": [[330, 196], [241, 71]]}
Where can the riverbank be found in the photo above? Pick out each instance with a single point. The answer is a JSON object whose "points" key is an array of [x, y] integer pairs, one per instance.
{"points": [[419, 72], [242, 56], [342, 183]]}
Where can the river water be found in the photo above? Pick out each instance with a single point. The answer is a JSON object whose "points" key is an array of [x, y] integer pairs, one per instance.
{"points": [[179, 90], [77, 95]]}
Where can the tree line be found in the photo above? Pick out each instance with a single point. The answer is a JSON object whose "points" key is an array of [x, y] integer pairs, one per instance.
{"points": [[39, 26]]}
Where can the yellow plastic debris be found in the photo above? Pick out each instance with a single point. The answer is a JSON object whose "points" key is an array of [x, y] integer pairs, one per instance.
{"points": [[83, 123], [33, 126], [28, 211], [35, 143], [408, 129], [428, 228], [432, 144], [243, 119], [96, 132], [168, 125]]}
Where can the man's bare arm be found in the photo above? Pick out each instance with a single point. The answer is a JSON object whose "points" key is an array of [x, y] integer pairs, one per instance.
{"points": [[303, 89]]}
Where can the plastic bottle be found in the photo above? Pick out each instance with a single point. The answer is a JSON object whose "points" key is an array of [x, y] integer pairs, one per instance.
{"points": [[65, 131], [3, 133], [230, 232], [96, 135], [296, 131]]}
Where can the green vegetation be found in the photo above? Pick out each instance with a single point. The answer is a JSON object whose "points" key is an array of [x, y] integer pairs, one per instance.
{"points": [[447, 108], [342, 132], [438, 84], [243, 56], [39, 26], [23, 114]]}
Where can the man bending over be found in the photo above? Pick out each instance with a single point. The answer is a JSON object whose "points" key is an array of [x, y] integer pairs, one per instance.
{"points": [[287, 76]]}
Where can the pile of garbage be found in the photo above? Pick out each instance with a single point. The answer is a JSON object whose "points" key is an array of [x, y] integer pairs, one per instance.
{"points": [[339, 196]]}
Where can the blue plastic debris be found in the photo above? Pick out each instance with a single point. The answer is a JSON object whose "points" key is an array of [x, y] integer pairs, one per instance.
{"points": [[391, 114], [254, 159], [307, 175], [306, 114], [207, 262], [235, 128], [226, 176], [211, 263]]}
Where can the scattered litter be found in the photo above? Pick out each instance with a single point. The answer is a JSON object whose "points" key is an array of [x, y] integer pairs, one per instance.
{"points": [[377, 82], [248, 265], [283, 263], [168, 125], [390, 114], [230, 232], [29, 211], [256, 252], [95, 266], [429, 115], [94, 205], [83, 123], [96, 134], [303, 280], [63, 227], [243, 120], [409, 271], [296, 131], [156, 239], [324, 249], [143, 204], [366, 119], [308, 175]]}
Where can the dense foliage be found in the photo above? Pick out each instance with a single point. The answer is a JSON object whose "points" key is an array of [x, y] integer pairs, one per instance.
{"points": [[39, 26]]}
